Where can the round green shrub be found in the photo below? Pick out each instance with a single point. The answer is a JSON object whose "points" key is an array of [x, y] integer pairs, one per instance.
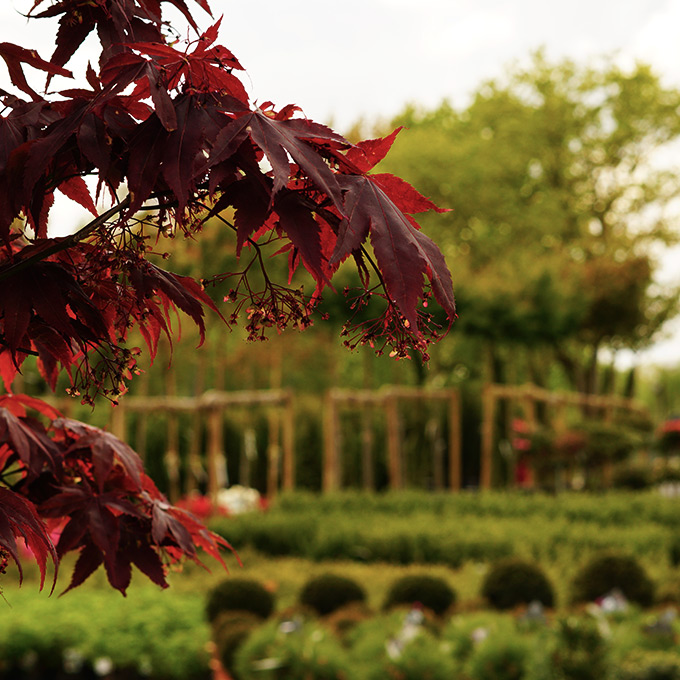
{"points": [[230, 630], [499, 659], [578, 651], [305, 653], [512, 582], [651, 665], [225, 621], [422, 657], [610, 571], [429, 591], [328, 592], [239, 594], [607, 442]]}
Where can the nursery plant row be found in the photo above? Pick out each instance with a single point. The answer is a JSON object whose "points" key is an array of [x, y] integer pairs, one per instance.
{"points": [[481, 646], [164, 636], [452, 529]]}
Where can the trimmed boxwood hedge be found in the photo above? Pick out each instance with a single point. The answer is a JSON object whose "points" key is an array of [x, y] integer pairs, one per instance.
{"points": [[609, 571], [329, 592], [514, 582], [429, 591]]}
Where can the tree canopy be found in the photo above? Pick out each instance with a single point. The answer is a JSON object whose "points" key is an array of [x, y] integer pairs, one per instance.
{"points": [[561, 199], [159, 137]]}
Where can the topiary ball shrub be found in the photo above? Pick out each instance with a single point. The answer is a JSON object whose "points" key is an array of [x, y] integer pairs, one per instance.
{"points": [[328, 592], [429, 591], [513, 582], [239, 594], [230, 630], [610, 571]]}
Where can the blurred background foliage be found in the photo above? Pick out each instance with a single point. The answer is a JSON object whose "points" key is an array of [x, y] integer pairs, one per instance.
{"points": [[562, 187]]}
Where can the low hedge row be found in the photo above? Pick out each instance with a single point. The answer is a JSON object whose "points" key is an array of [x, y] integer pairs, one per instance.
{"points": [[605, 509], [451, 529], [152, 634], [320, 538]]}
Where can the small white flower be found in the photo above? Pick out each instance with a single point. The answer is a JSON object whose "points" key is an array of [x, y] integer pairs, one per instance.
{"points": [[103, 665]]}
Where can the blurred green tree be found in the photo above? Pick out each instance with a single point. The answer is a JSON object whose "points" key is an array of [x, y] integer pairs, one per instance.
{"points": [[559, 178]]}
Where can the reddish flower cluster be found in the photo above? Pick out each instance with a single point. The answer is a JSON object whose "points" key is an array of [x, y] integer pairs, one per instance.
{"points": [[521, 430]]}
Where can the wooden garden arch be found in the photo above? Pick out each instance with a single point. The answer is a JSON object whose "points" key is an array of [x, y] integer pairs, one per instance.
{"points": [[388, 400], [529, 395], [211, 407]]}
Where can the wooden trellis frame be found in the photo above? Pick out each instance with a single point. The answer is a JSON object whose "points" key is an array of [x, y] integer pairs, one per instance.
{"points": [[212, 407], [528, 395], [388, 400]]}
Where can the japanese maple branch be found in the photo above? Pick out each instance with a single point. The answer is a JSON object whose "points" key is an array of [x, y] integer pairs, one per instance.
{"points": [[66, 242], [255, 244]]}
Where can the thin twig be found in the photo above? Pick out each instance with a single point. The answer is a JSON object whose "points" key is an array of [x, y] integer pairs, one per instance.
{"points": [[64, 243]]}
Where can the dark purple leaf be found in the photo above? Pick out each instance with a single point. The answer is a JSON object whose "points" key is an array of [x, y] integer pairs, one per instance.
{"points": [[404, 254]]}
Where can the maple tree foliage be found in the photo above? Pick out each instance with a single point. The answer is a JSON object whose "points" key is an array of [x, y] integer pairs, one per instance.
{"points": [[167, 138]]}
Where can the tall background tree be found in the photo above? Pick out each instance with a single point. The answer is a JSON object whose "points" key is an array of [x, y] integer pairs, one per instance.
{"points": [[562, 197], [168, 139]]}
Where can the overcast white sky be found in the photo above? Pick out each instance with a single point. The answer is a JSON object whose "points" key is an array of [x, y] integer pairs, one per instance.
{"points": [[368, 58]]}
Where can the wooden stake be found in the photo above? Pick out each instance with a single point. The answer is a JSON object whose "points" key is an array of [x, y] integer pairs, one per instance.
{"points": [[455, 482], [367, 464], [330, 449], [172, 457], [117, 421], [488, 416], [216, 460], [273, 454], [393, 444], [289, 444]]}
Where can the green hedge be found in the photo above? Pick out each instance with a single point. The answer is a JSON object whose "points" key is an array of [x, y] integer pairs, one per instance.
{"points": [[451, 529], [161, 635]]}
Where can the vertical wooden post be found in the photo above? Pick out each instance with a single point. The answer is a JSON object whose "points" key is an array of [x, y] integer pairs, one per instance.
{"points": [[273, 454], [289, 444], [367, 464], [142, 420], [330, 449], [367, 423], [455, 481], [117, 421], [248, 454], [433, 432], [529, 407], [393, 444], [274, 446], [195, 471], [216, 460], [560, 416], [172, 456], [488, 416]]}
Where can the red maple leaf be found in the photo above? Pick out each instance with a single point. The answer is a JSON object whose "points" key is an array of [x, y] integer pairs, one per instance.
{"points": [[18, 518], [405, 255]]}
